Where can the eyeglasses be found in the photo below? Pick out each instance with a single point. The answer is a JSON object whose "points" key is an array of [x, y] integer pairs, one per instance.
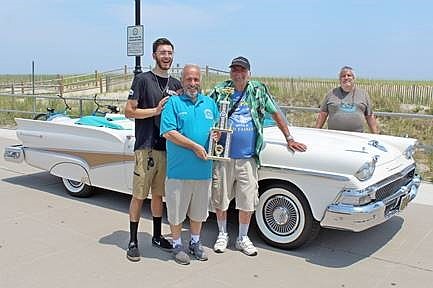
{"points": [[163, 53]]}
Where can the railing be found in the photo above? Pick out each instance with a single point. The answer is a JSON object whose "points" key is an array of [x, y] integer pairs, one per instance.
{"points": [[34, 98], [81, 100]]}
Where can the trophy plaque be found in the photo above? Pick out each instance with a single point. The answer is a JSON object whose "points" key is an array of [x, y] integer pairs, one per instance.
{"points": [[219, 150]]}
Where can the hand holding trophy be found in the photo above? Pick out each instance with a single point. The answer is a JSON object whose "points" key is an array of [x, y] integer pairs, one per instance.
{"points": [[220, 136]]}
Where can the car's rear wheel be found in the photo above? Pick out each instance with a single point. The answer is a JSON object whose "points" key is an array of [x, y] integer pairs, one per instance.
{"points": [[77, 188], [284, 217]]}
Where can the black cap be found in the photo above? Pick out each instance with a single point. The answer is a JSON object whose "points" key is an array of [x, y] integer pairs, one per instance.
{"points": [[241, 61]]}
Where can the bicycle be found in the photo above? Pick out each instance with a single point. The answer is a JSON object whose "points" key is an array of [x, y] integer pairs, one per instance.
{"points": [[52, 113], [113, 109], [103, 118]]}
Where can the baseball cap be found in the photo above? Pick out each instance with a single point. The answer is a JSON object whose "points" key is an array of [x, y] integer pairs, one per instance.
{"points": [[240, 61]]}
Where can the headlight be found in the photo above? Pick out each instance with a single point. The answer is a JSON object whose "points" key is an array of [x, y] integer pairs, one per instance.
{"points": [[409, 151], [366, 170]]}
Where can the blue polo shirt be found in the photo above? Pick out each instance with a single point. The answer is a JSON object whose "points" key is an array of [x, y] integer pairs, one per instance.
{"points": [[194, 121]]}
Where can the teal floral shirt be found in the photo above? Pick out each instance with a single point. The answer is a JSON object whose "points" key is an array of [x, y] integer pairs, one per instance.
{"points": [[259, 100]]}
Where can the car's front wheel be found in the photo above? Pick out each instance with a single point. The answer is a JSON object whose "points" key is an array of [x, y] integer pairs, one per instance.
{"points": [[77, 188], [284, 217]]}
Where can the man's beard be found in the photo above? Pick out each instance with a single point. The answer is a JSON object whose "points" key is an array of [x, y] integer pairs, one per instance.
{"points": [[240, 81], [162, 65], [192, 95]]}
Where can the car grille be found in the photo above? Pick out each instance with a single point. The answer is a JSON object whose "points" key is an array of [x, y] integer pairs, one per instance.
{"points": [[394, 186]]}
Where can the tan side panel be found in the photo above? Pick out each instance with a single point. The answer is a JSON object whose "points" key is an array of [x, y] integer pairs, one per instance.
{"points": [[96, 159]]}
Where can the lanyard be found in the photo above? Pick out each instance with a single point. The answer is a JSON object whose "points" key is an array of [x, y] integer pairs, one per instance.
{"points": [[237, 102]]}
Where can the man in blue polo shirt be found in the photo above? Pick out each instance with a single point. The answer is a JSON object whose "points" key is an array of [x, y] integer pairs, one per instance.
{"points": [[185, 123]]}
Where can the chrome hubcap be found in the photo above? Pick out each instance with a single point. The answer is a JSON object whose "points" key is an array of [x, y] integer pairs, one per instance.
{"points": [[75, 184], [281, 215]]}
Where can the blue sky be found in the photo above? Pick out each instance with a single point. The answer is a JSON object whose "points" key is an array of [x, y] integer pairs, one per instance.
{"points": [[311, 38]]}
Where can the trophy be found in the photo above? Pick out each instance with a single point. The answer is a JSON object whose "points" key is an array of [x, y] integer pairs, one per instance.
{"points": [[220, 149]]}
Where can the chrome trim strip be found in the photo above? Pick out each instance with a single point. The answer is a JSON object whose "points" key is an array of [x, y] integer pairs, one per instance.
{"points": [[93, 159], [357, 151], [307, 172]]}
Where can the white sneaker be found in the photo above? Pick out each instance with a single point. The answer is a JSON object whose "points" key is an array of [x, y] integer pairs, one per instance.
{"points": [[245, 245], [221, 242]]}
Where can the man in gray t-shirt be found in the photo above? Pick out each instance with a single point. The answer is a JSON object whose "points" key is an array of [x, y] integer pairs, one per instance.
{"points": [[347, 106]]}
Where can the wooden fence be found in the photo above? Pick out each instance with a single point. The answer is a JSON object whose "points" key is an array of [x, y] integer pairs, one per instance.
{"points": [[104, 81], [419, 94], [99, 82]]}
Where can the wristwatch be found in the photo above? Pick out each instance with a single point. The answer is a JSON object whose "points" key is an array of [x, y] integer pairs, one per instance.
{"points": [[290, 138]]}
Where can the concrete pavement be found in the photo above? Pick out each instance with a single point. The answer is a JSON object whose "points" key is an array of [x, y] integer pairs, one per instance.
{"points": [[50, 239]]}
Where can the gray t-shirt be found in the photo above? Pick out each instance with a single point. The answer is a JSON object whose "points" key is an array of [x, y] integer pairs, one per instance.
{"points": [[347, 110]]}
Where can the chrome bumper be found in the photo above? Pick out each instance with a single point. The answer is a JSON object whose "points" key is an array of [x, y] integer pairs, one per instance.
{"points": [[359, 218], [14, 153]]}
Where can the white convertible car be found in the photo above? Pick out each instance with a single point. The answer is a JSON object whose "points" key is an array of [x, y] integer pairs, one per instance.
{"points": [[345, 180]]}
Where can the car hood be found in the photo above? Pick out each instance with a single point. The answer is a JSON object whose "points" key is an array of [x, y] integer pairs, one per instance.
{"points": [[330, 150]]}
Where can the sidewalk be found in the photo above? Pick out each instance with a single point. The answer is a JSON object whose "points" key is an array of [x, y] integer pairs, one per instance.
{"points": [[50, 239]]}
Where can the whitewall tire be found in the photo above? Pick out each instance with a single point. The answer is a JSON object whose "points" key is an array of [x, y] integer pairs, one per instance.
{"points": [[283, 216], [77, 188]]}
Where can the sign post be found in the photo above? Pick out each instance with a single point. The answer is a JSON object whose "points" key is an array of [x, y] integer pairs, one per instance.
{"points": [[136, 41]]}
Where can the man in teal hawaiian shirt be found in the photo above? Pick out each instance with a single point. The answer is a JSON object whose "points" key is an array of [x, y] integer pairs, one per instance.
{"points": [[238, 177]]}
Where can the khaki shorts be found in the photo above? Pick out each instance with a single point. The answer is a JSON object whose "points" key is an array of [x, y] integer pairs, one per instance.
{"points": [[146, 178], [187, 197], [235, 179]]}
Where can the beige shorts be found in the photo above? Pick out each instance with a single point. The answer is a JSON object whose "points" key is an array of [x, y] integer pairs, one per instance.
{"points": [[235, 179], [146, 178], [187, 197]]}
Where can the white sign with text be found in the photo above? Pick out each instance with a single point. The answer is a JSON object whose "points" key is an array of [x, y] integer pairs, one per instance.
{"points": [[135, 40]]}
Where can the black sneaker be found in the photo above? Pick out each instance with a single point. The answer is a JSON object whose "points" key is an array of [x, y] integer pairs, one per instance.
{"points": [[162, 243], [132, 253]]}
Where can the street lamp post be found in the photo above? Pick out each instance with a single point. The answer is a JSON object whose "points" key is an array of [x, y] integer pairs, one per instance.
{"points": [[137, 69]]}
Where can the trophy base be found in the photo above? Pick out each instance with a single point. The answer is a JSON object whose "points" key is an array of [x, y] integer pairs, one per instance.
{"points": [[218, 158]]}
